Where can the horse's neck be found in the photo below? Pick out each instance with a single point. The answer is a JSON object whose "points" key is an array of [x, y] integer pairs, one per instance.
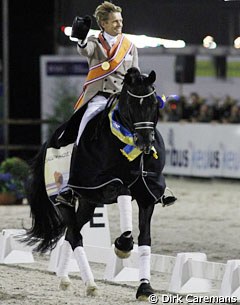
{"points": [[123, 111]]}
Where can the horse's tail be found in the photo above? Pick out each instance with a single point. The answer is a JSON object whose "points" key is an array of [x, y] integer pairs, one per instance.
{"points": [[47, 223]]}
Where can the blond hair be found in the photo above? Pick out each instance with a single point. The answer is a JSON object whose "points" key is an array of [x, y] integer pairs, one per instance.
{"points": [[103, 10]]}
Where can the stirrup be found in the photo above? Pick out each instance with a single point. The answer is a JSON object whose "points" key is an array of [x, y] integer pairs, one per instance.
{"points": [[67, 198], [167, 200]]}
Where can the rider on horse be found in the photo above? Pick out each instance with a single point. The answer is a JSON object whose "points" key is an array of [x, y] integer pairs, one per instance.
{"points": [[101, 166], [109, 56]]}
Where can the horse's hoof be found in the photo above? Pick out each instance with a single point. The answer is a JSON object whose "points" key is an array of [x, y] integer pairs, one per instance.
{"points": [[144, 291], [123, 246], [122, 254], [65, 283], [143, 298], [92, 289]]}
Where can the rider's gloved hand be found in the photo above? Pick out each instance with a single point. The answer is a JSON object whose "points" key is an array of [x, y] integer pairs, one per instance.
{"points": [[80, 27]]}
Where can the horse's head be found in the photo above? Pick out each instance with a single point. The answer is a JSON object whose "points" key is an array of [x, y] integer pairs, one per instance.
{"points": [[139, 107]]}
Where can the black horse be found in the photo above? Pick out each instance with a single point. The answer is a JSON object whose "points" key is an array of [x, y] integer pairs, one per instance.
{"points": [[120, 157]]}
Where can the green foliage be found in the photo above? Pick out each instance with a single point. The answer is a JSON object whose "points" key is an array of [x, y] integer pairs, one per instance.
{"points": [[65, 97], [14, 173]]}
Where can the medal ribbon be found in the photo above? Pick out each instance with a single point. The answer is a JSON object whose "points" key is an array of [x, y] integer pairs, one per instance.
{"points": [[110, 51]]}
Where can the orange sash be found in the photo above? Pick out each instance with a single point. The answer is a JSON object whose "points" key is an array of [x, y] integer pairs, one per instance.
{"points": [[118, 52]]}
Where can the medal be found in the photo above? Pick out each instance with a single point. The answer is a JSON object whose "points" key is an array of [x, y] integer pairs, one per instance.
{"points": [[105, 65]]}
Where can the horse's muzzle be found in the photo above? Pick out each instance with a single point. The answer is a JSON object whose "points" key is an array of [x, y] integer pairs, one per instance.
{"points": [[144, 140]]}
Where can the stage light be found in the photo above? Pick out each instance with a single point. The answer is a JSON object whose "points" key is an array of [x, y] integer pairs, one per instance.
{"points": [[68, 30], [237, 43], [209, 43], [141, 41]]}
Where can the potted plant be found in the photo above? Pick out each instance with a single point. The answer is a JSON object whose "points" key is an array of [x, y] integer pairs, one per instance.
{"points": [[14, 173]]}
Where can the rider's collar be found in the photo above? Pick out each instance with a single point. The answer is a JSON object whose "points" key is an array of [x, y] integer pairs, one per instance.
{"points": [[111, 40]]}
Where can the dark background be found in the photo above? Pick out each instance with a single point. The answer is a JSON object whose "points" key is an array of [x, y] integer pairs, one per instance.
{"points": [[34, 30]]}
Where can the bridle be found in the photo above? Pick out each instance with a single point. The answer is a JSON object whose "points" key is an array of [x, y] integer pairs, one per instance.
{"points": [[142, 125], [141, 97]]}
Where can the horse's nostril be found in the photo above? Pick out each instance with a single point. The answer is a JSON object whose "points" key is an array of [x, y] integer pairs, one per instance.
{"points": [[135, 138], [147, 150]]}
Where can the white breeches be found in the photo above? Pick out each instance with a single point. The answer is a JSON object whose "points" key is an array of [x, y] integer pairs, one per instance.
{"points": [[96, 105]]}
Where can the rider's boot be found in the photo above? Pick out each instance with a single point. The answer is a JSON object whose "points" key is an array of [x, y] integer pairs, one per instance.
{"points": [[168, 197], [67, 197]]}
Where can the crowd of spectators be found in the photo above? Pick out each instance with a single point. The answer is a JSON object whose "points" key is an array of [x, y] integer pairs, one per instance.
{"points": [[203, 110]]}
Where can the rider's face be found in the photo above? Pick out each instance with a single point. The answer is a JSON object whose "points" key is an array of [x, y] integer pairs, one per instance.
{"points": [[113, 26]]}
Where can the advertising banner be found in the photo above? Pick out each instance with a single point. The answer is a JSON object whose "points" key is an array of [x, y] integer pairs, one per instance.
{"points": [[201, 150]]}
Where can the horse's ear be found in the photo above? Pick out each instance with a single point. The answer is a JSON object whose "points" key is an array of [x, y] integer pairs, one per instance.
{"points": [[131, 75], [151, 77]]}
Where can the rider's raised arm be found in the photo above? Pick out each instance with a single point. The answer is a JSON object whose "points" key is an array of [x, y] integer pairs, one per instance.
{"points": [[87, 47]]}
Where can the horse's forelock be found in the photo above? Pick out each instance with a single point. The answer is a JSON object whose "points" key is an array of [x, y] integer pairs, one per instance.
{"points": [[131, 76], [140, 79], [141, 84], [137, 83]]}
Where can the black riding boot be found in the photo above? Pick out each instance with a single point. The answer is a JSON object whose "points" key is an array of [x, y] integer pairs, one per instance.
{"points": [[168, 199], [67, 197]]}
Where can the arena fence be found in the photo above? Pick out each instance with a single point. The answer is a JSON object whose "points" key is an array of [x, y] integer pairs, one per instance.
{"points": [[6, 147]]}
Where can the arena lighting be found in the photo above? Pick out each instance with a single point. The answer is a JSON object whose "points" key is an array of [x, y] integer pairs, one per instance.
{"points": [[67, 30], [209, 43], [141, 41], [237, 43]]}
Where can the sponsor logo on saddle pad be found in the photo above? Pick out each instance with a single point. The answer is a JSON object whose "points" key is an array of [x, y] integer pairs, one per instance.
{"points": [[57, 167]]}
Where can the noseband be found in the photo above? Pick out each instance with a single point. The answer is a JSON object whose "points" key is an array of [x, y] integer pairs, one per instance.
{"points": [[142, 125]]}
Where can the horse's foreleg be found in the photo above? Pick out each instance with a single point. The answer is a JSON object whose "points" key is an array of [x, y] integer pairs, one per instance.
{"points": [[144, 257], [124, 243], [125, 209], [144, 252]]}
